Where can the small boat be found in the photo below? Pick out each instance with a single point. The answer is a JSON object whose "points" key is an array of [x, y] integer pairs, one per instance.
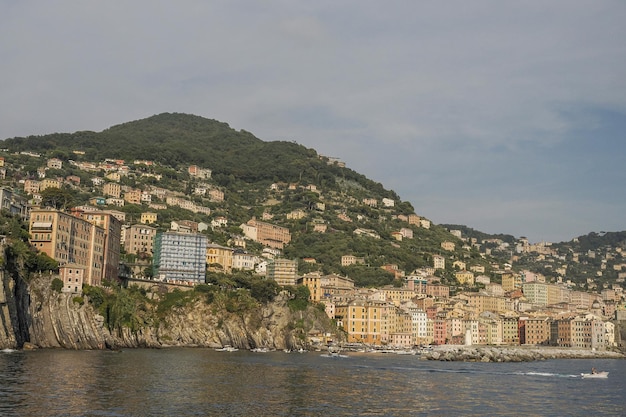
{"points": [[603, 374], [260, 350], [227, 348], [334, 352]]}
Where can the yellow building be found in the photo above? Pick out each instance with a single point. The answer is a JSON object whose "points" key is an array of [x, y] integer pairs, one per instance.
{"points": [[511, 281], [447, 245], [313, 281], [479, 303], [219, 258], [49, 183], [148, 218], [465, 277], [397, 295], [366, 321], [132, 196]]}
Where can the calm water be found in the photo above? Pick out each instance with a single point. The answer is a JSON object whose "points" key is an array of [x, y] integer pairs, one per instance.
{"points": [[202, 382]]}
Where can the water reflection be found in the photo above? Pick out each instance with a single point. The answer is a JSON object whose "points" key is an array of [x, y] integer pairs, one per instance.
{"points": [[187, 382]]}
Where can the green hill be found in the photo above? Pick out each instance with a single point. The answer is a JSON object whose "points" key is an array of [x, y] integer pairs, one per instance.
{"points": [[244, 168]]}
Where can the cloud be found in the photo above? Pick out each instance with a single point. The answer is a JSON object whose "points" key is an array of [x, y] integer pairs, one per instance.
{"points": [[441, 99]]}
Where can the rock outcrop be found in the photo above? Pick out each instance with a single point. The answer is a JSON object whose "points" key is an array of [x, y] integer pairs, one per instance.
{"points": [[36, 316]]}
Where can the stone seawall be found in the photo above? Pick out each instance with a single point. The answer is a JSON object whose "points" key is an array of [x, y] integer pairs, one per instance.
{"points": [[513, 354]]}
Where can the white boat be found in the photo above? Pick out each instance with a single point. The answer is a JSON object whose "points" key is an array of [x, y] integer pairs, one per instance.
{"points": [[334, 352], [595, 375], [227, 349]]}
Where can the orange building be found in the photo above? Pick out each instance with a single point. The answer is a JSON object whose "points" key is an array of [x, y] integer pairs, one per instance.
{"points": [[267, 234]]}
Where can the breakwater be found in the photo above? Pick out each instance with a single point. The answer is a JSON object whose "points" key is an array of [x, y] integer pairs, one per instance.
{"points": [[513, 353]]}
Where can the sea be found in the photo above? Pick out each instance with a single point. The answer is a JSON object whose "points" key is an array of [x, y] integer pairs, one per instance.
{"points": [[205, 382]]}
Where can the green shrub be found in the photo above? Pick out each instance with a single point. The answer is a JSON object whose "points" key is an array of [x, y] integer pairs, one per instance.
{"points": [[95, 295], [57, 285]]}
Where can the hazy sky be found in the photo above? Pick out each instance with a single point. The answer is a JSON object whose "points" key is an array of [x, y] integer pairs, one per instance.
{"points": [[506, 116]]}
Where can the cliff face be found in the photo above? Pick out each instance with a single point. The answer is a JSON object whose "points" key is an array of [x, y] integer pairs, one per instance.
{"points": [[34, 315], [14, 300]]}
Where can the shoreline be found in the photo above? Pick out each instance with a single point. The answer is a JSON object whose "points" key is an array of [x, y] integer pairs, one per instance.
{"points": [[445, 353]]}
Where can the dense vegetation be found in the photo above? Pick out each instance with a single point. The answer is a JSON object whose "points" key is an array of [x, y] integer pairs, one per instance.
{"points": [[178, 140]]}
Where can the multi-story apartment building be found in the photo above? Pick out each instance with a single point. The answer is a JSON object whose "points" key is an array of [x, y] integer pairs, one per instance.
{"points": [[447, 245], [440, 331], [414, 219], [113, 233], [416, 283], [243, 260], [479, 303], [219, 258], [510, 331], [266, 233], [493, 325], [313, 281], [283, 271], [397, 295], [132, 196], [180, 257], [112, 189], [419, 322], [70, 240], [464, 277], [347, 260], [439, 262], [50, 183], [437, 290], [561, 332], [583, 299], [139, 239], [366, 321], [13, 203], [511, 281], [536, 292], [32, 186], [534, 330]]}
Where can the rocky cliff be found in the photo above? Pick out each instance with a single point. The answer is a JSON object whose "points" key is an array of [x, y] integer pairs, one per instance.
{"points": [[33, 315]]}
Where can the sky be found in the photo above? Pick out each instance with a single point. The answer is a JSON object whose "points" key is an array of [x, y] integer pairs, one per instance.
{"points": [[505, 116]]}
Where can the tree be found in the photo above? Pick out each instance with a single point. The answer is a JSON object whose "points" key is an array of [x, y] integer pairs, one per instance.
{"points": [[58, 198]]}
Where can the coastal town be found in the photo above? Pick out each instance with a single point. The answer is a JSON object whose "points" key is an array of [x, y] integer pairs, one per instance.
{"points": [[459, 296]]}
